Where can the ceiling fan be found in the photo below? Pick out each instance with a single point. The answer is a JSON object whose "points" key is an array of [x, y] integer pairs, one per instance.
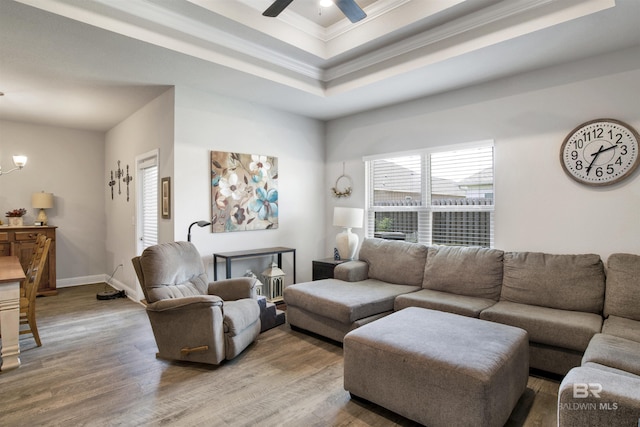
{"points": [[349, 7]]}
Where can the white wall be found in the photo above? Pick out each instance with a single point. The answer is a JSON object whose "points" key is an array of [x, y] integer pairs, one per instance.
{"points": [[206, 122], [150, 128], [68, 163], [538, 208]]}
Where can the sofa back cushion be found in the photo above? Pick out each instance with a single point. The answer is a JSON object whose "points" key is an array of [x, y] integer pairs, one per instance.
{"points": [[623, 286], [566, 282], [470, 271], [396, 262]]}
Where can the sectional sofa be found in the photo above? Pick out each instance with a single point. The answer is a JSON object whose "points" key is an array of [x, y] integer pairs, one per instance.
{"points": [[573, 313], [605, 388]]}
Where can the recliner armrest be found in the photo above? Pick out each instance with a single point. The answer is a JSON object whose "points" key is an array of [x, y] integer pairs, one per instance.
{"points": [[234, 289], [185, 303], [352, 271]]}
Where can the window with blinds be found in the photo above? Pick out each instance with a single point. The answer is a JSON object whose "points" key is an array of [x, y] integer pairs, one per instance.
{"points": [[439, 197], [148, 173]]}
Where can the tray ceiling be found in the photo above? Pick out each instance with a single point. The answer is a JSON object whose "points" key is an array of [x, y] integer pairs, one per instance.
{"points": [[308, 60]]}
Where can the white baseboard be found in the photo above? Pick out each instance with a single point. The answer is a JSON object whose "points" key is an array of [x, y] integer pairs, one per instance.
{"points": [[133, 294], [82, 280]]}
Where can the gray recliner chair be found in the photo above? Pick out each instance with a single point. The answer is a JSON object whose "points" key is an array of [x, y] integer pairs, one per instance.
{"points": [[192, 319]]}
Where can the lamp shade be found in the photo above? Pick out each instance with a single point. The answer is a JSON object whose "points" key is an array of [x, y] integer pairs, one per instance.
{"points": [[42, 200], [20, 161], [348, 217]]}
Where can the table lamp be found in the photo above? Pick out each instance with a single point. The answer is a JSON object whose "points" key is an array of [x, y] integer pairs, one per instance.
{"points": [[42, 201], [348, 218]]}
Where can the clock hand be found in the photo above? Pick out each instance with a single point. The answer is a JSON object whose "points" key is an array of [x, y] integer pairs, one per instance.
{"points": [[595, 156], [602, 151]]}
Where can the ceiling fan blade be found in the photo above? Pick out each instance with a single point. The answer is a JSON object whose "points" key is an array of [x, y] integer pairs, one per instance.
{"points": [[351, 10], [276, 7]]}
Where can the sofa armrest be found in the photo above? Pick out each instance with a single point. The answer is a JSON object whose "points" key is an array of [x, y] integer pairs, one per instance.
{"points": [[589, 395], [185, 303], [352, 271], [234, 289]]}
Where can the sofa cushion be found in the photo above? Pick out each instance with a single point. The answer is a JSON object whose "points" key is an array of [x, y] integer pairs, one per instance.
{"points": [[345, 302], [623, 286], [622, 327], [560, 328], [614, 352], [475, 272], [564, 282], [610, 369], [443, 301], [394, 261]]}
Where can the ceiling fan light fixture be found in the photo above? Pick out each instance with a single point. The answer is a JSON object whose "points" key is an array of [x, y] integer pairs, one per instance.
{"points": [[349, 8], [326, 3]]}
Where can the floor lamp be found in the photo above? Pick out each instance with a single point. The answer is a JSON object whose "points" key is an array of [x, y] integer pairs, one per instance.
{"points": [[347, 241], [200, 224]]}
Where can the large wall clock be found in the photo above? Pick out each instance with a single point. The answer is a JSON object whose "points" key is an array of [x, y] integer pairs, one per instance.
{"points": [[600, 152]]}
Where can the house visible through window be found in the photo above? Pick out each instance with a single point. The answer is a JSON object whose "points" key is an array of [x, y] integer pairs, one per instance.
{"points": [[435, 197]]}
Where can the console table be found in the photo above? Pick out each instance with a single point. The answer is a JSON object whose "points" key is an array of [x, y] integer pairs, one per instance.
{"points": [[230, 256], [11, 274]]}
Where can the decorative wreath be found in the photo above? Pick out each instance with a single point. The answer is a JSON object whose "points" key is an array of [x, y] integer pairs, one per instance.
{"points": [[346, 191]]}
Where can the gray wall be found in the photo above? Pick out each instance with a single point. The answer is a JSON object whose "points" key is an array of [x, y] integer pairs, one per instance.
{"points": [[70, 164]]}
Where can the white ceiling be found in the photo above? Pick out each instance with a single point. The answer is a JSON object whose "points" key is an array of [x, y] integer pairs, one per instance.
{"points": [[89, 64]]}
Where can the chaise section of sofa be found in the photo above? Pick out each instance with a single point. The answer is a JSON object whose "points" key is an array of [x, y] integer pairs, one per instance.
{"points": [[333, 307], [557, 299], [459, 280]]}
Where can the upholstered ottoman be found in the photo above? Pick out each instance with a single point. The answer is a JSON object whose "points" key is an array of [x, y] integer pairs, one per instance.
{"points": [[437, 368]]}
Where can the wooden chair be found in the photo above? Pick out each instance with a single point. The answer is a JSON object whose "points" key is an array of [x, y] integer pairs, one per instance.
{"points": [[29, 289]]}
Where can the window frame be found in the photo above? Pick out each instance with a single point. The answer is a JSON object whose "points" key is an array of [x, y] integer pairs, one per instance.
{"points": [[426, 209]]}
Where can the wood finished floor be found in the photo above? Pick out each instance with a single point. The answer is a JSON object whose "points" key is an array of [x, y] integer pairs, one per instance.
{"points": [[97, 367]]}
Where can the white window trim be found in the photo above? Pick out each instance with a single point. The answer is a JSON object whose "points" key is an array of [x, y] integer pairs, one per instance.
{"points": [[148, 159], [430, 150], [427, 207]]}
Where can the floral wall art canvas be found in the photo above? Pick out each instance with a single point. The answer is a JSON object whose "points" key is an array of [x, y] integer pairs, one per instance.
{"points": [[244, 192]]}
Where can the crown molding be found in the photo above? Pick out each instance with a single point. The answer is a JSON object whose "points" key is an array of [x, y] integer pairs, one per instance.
{"points": [[489, 18], [164, 24]]}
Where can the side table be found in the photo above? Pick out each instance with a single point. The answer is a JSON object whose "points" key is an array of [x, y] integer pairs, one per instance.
{"points": [[323, 268]]}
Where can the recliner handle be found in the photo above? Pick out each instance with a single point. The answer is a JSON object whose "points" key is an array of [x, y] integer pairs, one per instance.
{"points": [[186, 350]]}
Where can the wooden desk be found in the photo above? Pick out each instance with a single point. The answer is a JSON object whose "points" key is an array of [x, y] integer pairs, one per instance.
{"points": [[229, 256], [11, 274]]}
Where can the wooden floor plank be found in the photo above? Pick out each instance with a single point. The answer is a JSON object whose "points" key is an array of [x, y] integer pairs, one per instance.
{"points": [[97, 366]]}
